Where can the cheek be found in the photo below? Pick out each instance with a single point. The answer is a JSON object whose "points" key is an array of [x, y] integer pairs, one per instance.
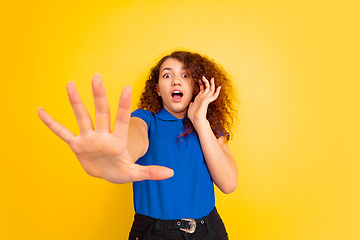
{"points": [[161, 88], [192, 91], [194, 88]]}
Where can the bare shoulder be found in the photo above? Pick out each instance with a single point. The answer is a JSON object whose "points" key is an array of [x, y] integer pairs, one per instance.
{"points": [[137, 141], [138, 123]]}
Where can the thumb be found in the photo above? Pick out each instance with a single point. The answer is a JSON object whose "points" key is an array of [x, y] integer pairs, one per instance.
{"points": [[155, 173]]}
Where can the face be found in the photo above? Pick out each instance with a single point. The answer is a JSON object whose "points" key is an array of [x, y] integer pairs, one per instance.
{"points": [[175, 87]]}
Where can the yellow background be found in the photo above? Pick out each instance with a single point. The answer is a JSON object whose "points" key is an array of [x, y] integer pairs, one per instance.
{"points": [[296, 69]]}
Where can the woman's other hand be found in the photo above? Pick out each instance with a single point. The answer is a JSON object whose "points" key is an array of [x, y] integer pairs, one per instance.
{"points": [[207, 94]]}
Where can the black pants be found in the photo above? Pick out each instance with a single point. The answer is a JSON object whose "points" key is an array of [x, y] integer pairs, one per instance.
{"points": [[210, 227]]}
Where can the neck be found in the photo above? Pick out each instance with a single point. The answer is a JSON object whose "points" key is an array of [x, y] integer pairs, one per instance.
{"points": [[179, 115]]}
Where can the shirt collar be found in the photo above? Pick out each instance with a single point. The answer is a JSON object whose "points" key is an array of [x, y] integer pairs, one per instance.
{"points": [[163, 114]]}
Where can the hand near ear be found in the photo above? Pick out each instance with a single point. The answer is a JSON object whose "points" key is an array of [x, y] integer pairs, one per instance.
{"points": [[208, 93]]}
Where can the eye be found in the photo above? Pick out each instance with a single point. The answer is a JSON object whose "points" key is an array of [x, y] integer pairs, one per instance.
{"points": [[185, 75], [166, 75]]}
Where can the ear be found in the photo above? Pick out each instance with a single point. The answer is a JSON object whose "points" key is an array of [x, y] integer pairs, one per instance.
{"points": [[157, 89]]}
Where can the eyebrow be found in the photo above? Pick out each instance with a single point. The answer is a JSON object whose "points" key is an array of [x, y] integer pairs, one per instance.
{"points": [[170, 69], [166, 69]]}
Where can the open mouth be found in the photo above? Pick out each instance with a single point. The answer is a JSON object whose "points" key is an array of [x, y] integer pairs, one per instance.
{"points": [[176, 95]]}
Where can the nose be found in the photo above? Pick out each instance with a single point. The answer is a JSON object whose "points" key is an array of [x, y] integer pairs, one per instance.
{"points": [[176, 81]]}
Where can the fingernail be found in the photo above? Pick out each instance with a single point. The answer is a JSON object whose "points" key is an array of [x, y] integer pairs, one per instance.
{"points": [[71, 82], [98, 74], [40, 108]]}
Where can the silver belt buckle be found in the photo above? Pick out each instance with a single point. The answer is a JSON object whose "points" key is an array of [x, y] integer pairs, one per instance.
{"points": [[192, 224]]}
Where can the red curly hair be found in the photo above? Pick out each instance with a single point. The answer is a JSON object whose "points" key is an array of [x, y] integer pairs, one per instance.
{"points": [[221, 113]]}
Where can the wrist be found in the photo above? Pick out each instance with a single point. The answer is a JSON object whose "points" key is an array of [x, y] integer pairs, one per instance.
{"points": [[200, 123]]}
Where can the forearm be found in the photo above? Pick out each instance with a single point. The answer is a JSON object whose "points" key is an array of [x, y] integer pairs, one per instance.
{"points": [[137, 140], [219, 160]]}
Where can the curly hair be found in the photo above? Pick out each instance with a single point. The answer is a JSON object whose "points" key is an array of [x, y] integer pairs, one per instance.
{"points": [[221, 113]]}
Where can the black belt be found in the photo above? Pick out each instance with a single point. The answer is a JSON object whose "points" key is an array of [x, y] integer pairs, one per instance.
{"points": [[187, 225]]}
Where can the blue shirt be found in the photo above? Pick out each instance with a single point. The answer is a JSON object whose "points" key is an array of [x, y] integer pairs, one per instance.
{"points": [[190, 192]]}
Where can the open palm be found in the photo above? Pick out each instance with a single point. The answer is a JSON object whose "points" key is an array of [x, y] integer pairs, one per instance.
{"points": [[101, 152]]}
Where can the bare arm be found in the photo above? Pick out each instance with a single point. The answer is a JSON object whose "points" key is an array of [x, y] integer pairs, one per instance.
{"points": [[219, 160], [104, 153], [138, 141]]}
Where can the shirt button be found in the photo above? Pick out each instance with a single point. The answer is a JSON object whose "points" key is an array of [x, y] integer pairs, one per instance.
{"points": [[181, 140]]}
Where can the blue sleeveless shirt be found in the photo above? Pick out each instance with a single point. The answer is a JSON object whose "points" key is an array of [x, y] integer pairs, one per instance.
{"points": [[190, 192]]}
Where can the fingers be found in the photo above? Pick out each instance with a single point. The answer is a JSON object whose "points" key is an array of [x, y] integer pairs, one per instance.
{"points": [[212, 85], [62, 132], [122, 120], [207, 85], [135, 173], [154, 173], [201, 84], [208, 88], [102, 109], [82, 116], [125, 171], [217, 93]]}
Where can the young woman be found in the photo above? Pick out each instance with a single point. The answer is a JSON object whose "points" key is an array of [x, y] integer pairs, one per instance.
{"points": [[178, 139]]}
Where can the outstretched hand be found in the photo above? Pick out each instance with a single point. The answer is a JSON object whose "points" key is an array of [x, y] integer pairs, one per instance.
{"points": [[101, 152], [207, 94]]}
